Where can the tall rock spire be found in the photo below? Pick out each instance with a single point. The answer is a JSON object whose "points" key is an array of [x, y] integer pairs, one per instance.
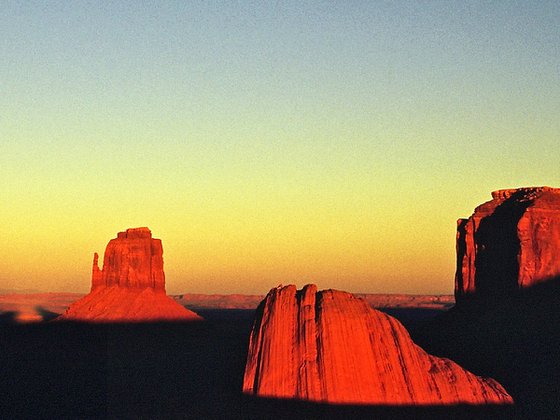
{"points": [[96, 274]]}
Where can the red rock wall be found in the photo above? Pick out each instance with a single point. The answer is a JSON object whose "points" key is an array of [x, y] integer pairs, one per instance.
{"points": [[332, 347], [134, 260], [510, 242]]}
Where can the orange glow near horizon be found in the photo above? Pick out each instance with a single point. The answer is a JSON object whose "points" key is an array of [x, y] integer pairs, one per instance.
{"points": [[251, 256], [396, 246]]}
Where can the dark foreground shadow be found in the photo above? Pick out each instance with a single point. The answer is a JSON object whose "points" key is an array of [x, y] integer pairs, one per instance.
{"points": [[290, 409], [163, 370], [513, 338], [8, 317]]}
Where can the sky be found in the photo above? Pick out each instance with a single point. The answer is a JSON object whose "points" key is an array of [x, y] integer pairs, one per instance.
{"points": [[266, 143]]}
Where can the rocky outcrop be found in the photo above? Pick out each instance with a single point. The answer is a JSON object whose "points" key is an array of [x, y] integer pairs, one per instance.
{"points": [[332, 347], [509, 243], [133, 259], [131, 285]]}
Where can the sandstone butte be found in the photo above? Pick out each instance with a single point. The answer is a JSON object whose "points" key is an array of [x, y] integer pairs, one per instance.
{"points": [[131, 285], [509, 243], [331, 347]]}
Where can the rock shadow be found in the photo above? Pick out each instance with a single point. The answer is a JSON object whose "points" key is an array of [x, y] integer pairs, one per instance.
{"points": [[513, 338], [497, 248], [46, 315]]}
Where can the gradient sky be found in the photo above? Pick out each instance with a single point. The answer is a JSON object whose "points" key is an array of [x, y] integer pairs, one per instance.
{"points": [[268, 142]]}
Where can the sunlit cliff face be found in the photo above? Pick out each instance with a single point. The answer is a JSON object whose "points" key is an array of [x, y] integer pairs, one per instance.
{"points": [[332, 347], [133, 260]]}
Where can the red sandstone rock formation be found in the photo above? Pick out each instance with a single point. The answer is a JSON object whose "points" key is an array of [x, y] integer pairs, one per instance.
{"points": [[133, 259], [509, 243], [131, 286], [332, 347]]}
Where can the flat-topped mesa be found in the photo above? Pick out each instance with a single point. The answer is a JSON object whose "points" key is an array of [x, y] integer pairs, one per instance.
{"points": [[131, 286], [332, 347], [528, 192], [509, 243], [133, 259]]}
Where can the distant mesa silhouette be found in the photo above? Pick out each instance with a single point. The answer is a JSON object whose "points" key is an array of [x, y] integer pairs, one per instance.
{"points": [[131, 285], [509, 243], [331, 347]]}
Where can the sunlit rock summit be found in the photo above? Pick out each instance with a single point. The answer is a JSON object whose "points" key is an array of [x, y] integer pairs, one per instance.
{"points": [[131, 285], [132, 260], [330, 346], [511, 242]]}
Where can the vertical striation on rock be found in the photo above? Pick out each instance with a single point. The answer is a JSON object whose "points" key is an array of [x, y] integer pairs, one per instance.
{"points": [[509, 243], [332, 347], [131, 285]]}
